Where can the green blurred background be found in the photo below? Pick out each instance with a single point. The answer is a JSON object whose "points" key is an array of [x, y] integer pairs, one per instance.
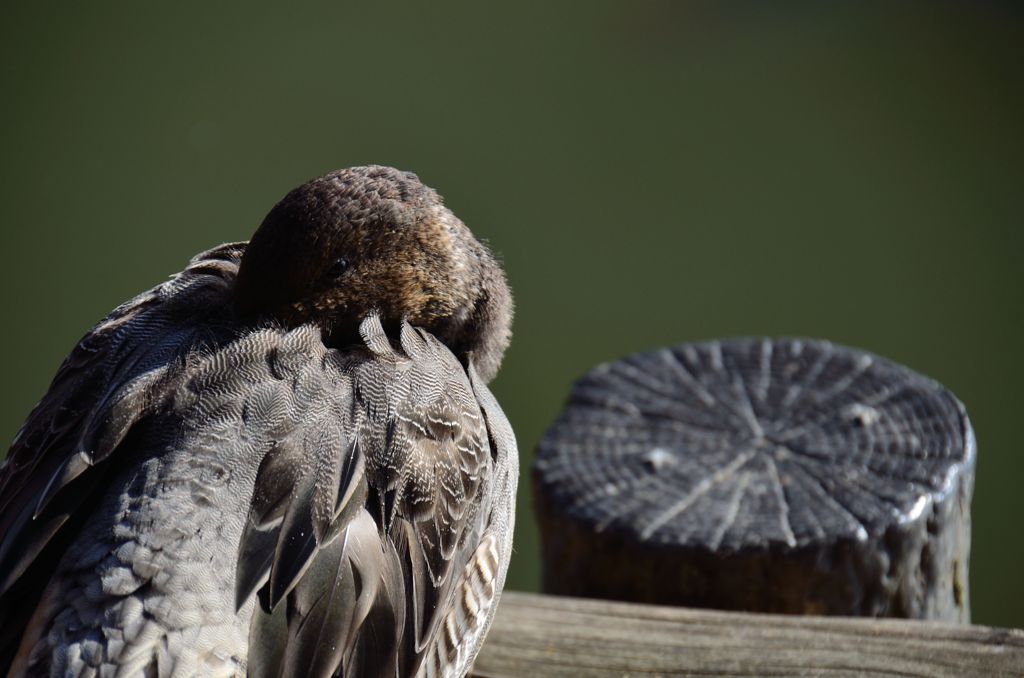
{"points": [[650, 172]]}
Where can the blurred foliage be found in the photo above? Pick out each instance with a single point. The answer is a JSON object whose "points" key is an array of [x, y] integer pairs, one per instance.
{"points": [[650, 172]]}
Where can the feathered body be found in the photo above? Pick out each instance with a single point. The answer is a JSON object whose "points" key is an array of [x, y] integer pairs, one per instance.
{"points": [[274, 471]]}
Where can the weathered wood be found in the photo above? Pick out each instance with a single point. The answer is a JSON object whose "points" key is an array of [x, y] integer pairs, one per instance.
{"points": [[760, 475], [547, 636]]}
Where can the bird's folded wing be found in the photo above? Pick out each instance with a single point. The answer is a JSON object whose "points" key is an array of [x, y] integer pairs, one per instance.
{"points": [[119, 372], [366, 515]]}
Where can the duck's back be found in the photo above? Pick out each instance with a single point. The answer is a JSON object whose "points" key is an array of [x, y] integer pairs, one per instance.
{"points": [[147, 584], [56, 480]]}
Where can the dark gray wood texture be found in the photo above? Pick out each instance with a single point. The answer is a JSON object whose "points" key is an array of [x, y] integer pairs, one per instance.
{"points": [[765, 475], [548, 637]]}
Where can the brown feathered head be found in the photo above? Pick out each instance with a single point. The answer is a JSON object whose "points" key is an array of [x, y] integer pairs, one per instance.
{"points": [[373, 238]]}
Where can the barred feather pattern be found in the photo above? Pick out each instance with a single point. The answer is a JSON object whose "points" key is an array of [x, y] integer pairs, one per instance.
{"points": [[226, 502]]}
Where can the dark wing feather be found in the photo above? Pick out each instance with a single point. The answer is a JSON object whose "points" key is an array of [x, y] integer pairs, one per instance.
{"points": [[373, 507], [120, 371]]}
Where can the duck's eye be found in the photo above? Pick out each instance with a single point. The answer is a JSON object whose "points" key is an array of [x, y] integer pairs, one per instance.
{"points": [[340, 265]]}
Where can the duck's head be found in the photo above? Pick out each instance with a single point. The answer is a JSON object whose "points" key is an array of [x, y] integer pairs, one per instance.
{"points": [[368, 239]]}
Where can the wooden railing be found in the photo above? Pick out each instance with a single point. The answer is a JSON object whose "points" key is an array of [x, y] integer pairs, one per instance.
{"points": [[538, 636]]}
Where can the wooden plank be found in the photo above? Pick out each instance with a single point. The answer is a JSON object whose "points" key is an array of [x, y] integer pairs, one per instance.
{"points": [[545, 636]]}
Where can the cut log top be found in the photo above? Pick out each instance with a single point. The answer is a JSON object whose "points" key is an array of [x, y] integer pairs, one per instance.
{"points": [[740, 443], [770, 475]]}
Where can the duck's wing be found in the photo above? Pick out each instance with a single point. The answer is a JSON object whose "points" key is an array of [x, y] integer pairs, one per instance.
{"points": [[371, 519], [119, 372]]}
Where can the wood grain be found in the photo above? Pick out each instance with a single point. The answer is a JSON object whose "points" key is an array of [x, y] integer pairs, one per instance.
{"points": [[547, 636]]}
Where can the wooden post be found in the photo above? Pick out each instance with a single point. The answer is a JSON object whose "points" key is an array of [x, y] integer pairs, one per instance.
{"points": [[787, 476]]}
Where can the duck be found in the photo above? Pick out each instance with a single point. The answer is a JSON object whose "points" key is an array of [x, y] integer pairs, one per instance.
{"points": [[284, 460]]}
